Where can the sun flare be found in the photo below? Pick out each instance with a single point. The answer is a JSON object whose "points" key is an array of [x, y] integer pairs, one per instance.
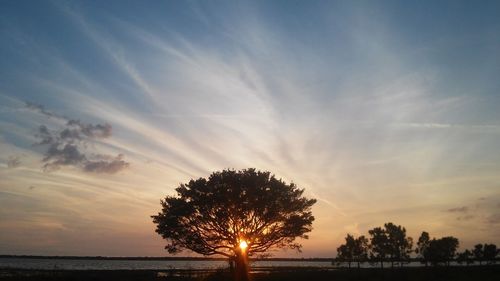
{"points": [[243, 245]]}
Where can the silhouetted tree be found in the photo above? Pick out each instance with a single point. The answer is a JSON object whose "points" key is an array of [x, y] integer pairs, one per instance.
{"points": [[465, 257], [441, 250], [378, 245], [478, 253], [345, 252], [399, 245], [216, 215], [361, 250], [390, 242], [354, 250], [490, 253], [450, 246], [422, 245]]}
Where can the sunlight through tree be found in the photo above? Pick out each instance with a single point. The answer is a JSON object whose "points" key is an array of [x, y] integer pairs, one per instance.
{"points": [[235, 214]]}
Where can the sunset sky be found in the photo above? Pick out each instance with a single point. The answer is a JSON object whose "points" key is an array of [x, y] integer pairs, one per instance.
{"points": [[382, 110]]}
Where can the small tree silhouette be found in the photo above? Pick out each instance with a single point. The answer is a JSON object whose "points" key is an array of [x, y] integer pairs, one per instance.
{"points": [[478, 253], [344, 251], [354, 250], [465, 257], [235, 214], [390, 242], [400, 246], [441, 250], [361, 249], [379, 243], [422, 245], [490, 253]]}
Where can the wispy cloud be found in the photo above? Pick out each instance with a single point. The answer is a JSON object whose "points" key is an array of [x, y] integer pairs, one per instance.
{"points": [[41, 109], [463, 209], [13, 162], [370, 120], [494, 219]]}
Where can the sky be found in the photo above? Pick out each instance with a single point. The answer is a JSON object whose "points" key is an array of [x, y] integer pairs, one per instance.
{"points": [[384, 111]]}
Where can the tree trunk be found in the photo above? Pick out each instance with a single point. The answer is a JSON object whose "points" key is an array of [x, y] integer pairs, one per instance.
{"points": [[358, 265], [242, 268], [382, 264], [231, 265], [349, 264]]}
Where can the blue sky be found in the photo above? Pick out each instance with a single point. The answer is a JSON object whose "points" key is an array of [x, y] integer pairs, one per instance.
{"points": [[382, 110]]}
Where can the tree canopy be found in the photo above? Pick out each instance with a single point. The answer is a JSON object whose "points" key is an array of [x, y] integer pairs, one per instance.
{"points": [[486, 252], [441, 250], [214, 215], [400, 246], [465, 257], [423, 245], [390, 242], [354, 250], [490, 252], [478, 252]]}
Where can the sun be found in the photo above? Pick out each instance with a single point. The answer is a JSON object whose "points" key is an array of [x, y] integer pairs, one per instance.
{"points": [[243, 245]]}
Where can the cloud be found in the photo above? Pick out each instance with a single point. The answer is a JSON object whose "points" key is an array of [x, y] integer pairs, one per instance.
{"points": [[463, 212], [59, 154], [66, 146], [466, 218], [41, 109], [493, 219], [484, 212], [44, 135], [107, 167], [75, 127], [13, 162], [463, 209], [92, 131]]}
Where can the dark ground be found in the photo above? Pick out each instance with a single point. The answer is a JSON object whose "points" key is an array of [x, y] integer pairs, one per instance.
{"points": [[483, 273]]}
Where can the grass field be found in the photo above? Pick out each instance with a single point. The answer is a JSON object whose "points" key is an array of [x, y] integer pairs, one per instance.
{"points": [[483, 273]]}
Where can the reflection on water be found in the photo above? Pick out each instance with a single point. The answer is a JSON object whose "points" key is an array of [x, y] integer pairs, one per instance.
{"points": [[80, 264]]}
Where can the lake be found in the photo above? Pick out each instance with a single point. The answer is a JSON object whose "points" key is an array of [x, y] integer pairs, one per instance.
{"points": [[93, 264], [106, 264]]}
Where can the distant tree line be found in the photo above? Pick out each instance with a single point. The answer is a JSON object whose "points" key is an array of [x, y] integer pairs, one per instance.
{"points": [[390, 244], [487, 253]]}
